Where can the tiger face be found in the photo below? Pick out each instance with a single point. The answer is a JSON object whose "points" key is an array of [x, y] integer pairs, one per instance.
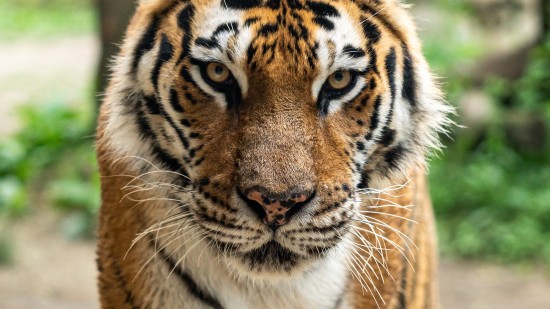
{"points": [[267, 120]]}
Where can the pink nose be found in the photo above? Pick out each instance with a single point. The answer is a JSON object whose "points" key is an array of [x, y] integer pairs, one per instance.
{"points": [[276, 211]]}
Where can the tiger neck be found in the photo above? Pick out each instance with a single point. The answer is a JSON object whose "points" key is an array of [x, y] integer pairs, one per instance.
{"points": [[216, 285]]}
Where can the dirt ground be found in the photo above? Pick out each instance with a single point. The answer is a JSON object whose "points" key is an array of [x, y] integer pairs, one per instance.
{"points": [[52, 272]]}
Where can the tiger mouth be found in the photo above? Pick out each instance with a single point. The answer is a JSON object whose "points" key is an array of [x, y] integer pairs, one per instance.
{"points": [[271, 255]]}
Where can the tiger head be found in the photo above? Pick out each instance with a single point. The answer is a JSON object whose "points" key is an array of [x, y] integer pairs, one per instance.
{"points": [[267, 120]]}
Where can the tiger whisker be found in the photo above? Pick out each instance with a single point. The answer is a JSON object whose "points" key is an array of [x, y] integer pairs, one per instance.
{"points": [[156, 253], [141, 235]]}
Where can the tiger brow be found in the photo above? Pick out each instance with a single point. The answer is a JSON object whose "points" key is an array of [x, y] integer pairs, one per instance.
{"points": [[212, 42]]}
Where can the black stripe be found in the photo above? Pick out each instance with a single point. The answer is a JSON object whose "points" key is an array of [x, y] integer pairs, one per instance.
{"points": [[166, 159], [228, 236], [207, 43], [152, 105], [227, 27], [297, 33], [353, 52], [152, 102], [322, 9], [273, 4], [241, 4], [409, 78], [250, 52], [324, 23], [322, 230], [374, 120], [186, 75], [372, 84], [175, 102], [394, 155], [181, 137], [189, 282], [365, 179], [185, 123], [166, 52], [388, 136], [267, 29], [371, 31], [190, 98], [323, 104], [145, 130], [212, 42], [390, 69], [123, 285], [294, 5], [376, 14], [250, 21], [402, 302], [146, 43], [185, 18]]}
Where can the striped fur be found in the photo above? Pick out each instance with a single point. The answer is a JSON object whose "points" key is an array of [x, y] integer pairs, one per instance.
{"points": [[176, 152]]}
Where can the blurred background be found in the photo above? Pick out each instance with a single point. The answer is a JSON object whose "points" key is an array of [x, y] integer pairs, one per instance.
{"points": [[490, 187]]}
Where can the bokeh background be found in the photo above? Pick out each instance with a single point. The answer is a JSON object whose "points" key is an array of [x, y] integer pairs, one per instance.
{"points": [[491, 186]]}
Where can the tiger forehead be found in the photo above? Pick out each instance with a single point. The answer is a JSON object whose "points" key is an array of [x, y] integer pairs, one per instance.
{"points": [[255, 33]]}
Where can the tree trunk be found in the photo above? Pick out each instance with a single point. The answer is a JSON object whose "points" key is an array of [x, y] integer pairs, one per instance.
{"points": [[114, 16], [546, 16]]}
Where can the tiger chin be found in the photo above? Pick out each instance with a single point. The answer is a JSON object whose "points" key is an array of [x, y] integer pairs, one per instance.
{"points": [[268, 154]]}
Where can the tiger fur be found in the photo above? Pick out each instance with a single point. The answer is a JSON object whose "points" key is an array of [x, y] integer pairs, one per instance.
{"points": [[268, 154]]}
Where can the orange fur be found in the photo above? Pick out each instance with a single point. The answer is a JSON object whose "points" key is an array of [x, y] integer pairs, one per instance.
{"points": [[179, 158]]}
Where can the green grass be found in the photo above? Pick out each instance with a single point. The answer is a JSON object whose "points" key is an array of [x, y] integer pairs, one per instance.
{"points": [[45, 19]]}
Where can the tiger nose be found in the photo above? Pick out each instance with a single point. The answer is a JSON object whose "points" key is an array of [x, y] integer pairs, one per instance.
{"points": [[276, 209]]}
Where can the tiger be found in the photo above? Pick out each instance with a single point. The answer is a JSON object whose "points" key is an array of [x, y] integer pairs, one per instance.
{"points": [[269, 154]]}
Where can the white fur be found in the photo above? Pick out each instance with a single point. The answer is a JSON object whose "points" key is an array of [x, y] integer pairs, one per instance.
{"points": [[215, 16], [320, 287], [332, 58]]}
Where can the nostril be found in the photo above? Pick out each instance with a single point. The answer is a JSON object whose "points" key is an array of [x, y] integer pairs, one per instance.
{"points": [[275, 210], [300, 205], [256, 207]]}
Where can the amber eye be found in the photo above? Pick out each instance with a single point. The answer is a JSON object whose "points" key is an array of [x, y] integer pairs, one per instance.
{"points": [[340, 80], [217, 72]]}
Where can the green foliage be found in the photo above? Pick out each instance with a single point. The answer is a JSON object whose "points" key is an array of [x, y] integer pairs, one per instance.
{"points": [[76, 192], [493, 203], [44, 18], [492, 197], [52, 158], [533, 90]]}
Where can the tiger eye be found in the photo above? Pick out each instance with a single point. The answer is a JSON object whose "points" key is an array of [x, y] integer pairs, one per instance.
{"points": [[217, 72], [339, 80]]}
